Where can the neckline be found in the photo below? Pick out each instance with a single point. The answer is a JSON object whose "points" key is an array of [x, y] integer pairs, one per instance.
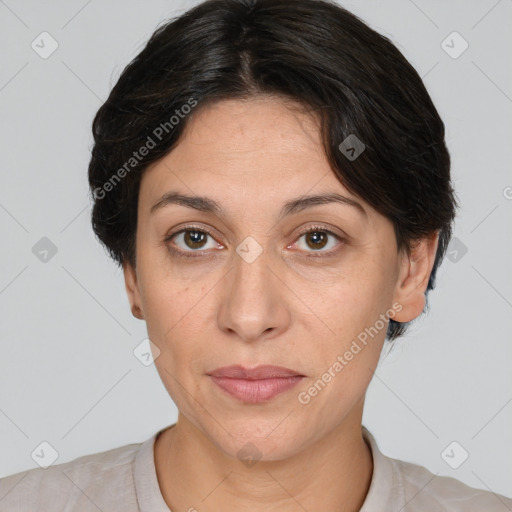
{"points": [[147, 489], [385, 491]]}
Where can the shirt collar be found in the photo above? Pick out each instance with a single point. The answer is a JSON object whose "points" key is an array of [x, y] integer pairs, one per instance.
{"points": [[148, 492], [386, 490]]}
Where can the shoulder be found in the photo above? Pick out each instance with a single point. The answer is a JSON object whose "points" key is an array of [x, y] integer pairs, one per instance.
{"points": [[423, 490], [403, 486], [85, 483]]}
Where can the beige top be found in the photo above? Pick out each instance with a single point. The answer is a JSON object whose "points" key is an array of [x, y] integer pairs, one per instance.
{"points": [[124, 479]]}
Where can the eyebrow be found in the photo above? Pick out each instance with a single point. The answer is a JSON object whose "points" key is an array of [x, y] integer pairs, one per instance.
{"points": [[208, 205]]}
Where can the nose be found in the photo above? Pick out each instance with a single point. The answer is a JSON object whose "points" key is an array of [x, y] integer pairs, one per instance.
{"points": [[253, 303]]}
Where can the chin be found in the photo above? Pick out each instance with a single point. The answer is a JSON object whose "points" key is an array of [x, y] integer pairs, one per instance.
{"points": [[252, 440]]}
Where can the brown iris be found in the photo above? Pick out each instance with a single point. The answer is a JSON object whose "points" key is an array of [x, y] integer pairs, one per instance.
{"points": [[194, 239], [319, 239]]}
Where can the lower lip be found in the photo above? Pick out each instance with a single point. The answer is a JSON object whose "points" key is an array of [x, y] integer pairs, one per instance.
{"points": [[256, 391]]}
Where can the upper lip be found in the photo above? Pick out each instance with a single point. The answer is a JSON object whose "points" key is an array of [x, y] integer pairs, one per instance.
{"points": [[259, 372]]}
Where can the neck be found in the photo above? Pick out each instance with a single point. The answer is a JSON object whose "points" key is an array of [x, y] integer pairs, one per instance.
{"points": [[193, 473]]}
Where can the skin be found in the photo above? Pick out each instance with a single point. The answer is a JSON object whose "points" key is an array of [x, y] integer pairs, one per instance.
{"points": [[282, 308]]}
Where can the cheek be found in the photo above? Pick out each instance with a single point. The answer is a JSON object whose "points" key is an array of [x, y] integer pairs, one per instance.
{"points": [[174, 317], [175, 313], [355, 300], [356, 309], [171, 293], [172, 311], [344, 364]]}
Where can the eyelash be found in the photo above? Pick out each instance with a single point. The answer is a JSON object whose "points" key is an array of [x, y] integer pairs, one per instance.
{"points": [[197, 254]]}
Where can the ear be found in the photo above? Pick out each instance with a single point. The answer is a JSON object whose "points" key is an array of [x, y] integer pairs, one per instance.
{"points": [[132, 289], [414, 274]]}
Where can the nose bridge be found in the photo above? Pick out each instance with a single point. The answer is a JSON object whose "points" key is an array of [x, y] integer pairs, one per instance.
{"points": [[251, 305], [251, 267]]}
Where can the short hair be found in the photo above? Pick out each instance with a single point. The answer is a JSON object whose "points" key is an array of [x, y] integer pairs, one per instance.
{"points": [[313, 52]]}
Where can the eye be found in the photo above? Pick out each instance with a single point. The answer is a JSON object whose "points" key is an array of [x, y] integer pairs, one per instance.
{"points": [[317, 238], [192, 240], [189, 240]]}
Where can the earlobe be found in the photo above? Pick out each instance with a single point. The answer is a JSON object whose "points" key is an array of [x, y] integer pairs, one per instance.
{"points": [[132, 290], [414, 274]]}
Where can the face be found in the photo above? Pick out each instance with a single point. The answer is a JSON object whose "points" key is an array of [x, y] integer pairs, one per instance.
{"points": [[262, 281]]}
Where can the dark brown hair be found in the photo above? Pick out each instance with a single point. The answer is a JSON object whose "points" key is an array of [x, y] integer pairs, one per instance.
{"points": [[313, 52]]}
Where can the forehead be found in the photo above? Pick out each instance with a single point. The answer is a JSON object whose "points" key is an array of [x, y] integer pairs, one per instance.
{"points": [[256, 148], [263, 122]]}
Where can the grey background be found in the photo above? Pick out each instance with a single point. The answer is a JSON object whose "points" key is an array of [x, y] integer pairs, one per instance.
{"points": [[67, 368]]}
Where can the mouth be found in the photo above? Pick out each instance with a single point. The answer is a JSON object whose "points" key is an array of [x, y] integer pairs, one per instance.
{"points": [[255, 385]]}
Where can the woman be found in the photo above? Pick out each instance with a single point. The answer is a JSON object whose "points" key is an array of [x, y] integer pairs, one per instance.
{"points": [[272, 177]]}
